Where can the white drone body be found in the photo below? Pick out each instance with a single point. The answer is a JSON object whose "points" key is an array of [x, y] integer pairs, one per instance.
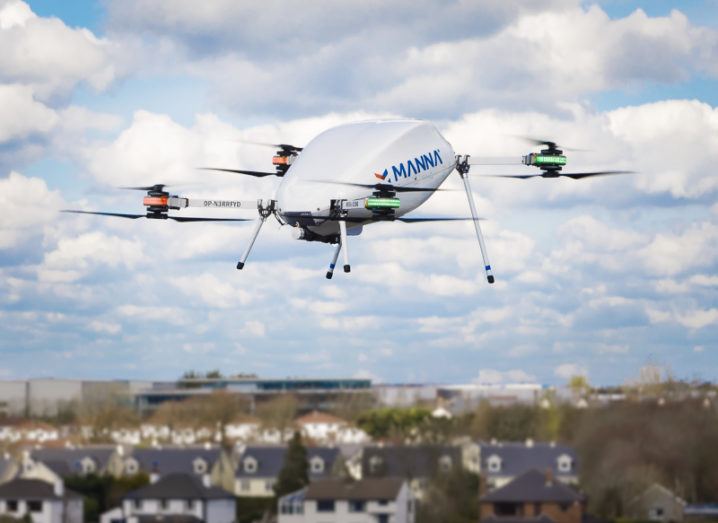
{"points": [[401, 153], [351, 176]]}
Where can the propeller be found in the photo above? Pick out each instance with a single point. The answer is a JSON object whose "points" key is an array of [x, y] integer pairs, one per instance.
{"points": [[175, 218], [549, 143], [258, 174], [159, 187], [574, 176], [352, 219], [382, 186], [283, 146]]}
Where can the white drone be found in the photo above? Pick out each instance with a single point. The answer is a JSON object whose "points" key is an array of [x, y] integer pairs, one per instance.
{"points": [[351, 176]]}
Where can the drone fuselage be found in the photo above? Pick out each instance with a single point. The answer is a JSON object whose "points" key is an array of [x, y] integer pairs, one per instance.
{"points": [[399, 153]]}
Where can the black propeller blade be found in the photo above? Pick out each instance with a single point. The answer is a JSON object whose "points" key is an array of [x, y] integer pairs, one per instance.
{"points": [[550, 144], [283, 146], [117, 214], [574, 176], [157, 187], [175, 218], [382, 186], [432, 219], [258, 174]]}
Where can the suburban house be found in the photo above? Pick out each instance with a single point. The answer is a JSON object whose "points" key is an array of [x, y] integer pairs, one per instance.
{"points": [[175, 497], [206, 462], [501, 462], [8, 468], [259, 466], [54, 464], [417, 464], [242, 429], [532, 497], [656, 503], [376, 500], [44, 502]]}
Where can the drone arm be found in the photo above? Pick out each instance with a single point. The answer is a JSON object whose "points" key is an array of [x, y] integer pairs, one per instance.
{"points": [[463, 167], [178, 202], [494, 160]]}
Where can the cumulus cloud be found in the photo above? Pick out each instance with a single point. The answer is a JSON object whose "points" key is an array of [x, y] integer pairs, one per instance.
{"points": [[48, 55], [569, 370], [402, 56], [497, 377], [28, 205]]}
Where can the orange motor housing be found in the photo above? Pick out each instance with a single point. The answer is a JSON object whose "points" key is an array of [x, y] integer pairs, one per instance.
{"points": [[155, 201]]}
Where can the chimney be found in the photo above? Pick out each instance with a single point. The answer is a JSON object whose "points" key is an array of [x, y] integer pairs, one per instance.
{"points": [[206, 481], [59, 488], [154, 476], [549, 476], [529, 442]]}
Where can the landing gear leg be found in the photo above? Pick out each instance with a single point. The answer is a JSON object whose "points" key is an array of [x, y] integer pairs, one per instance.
{"points": [[264, 213], [330, 272], [344, 244], [463, 167]]}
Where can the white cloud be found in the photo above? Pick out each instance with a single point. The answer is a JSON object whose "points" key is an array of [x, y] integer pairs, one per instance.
{"points": [[254, 328], [569, 370], [28, 206], [212, 291], [49, 56], [73, 257], [497, 377], [105, 327], [21, 115]]}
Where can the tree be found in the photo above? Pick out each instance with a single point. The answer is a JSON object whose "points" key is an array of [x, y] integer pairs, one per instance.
{"points": [[278, 412], [451, 498], [578, 385], [295, 472]]}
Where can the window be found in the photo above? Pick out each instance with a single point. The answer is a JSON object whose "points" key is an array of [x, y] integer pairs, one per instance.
{"points": [[655, 513], [325, 505], [11, 505], [494, 463], [445, 464], [164, 504], [356, 506], [316, 465], [382, 518], [507, 509], [564, 463], [375, 464], [244, 485], [138, 504], [269, 485], [250, 465], [34, 506], [383, 502], [88, 465], [200, 466], [131, 467]]}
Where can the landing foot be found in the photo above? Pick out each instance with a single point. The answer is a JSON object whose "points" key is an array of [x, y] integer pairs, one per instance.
{"points": [[347, 268]]}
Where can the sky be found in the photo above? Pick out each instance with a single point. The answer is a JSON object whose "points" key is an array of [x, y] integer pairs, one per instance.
{"points": [[597, 277]]}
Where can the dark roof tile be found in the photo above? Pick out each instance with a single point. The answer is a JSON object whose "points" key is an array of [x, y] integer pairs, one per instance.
{"points": [[532, 486], [179, 486]]}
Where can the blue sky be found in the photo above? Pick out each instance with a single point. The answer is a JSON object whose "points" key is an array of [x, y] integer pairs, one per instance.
{"points": [[597, 277]]}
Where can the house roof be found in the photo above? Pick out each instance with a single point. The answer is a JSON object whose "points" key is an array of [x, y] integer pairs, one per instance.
{"points": [[270, 460], [407, 461], [174, 459], [532, 486], [318, 417], [32, 489], [168, 518], [517, 519], [363, 490], [178, 486], [66, 461], [7, 467], [517, 458]]}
